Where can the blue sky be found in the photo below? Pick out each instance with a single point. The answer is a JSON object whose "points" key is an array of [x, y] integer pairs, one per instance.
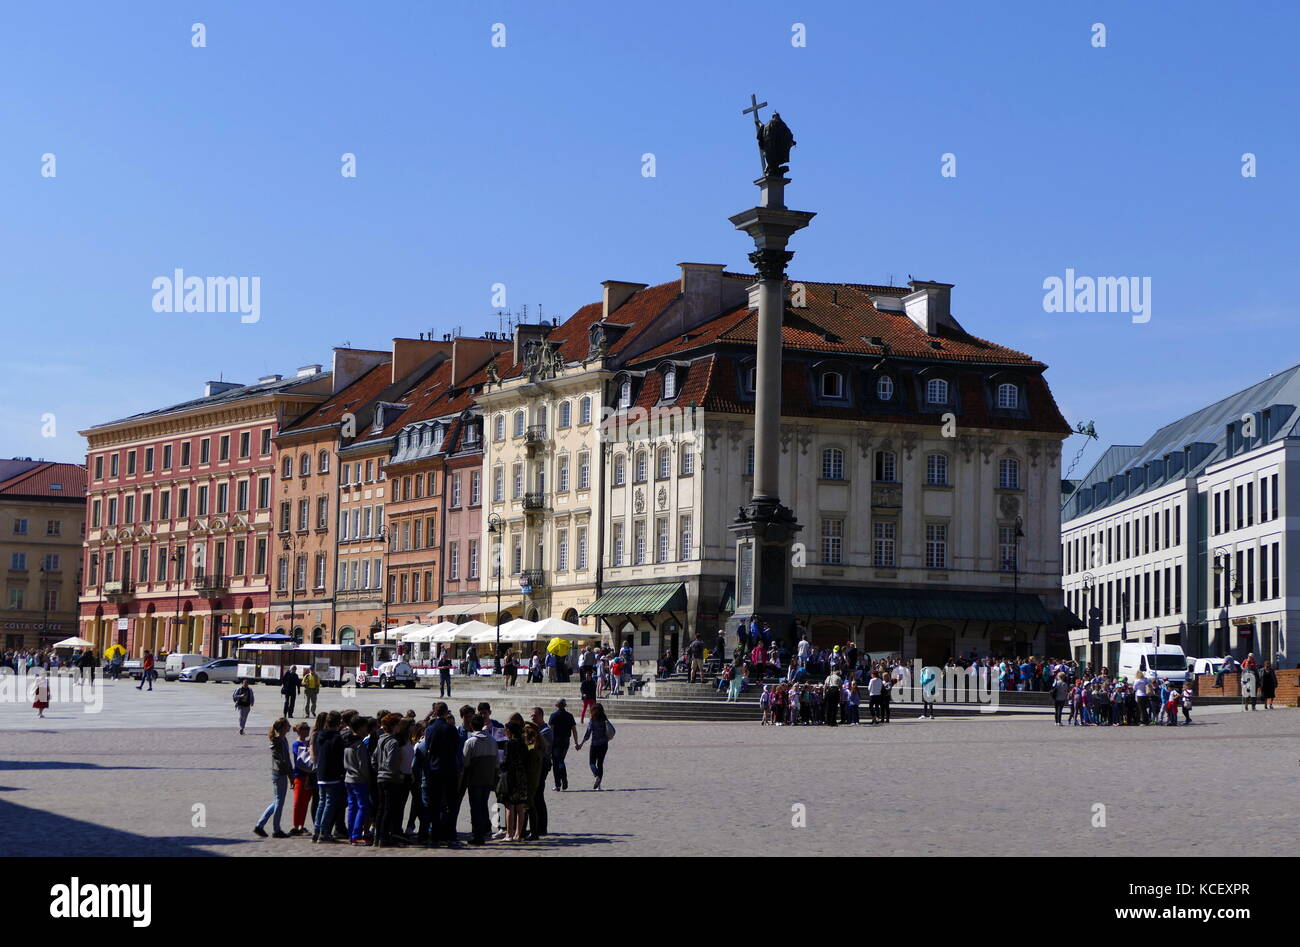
{"points": [[522, 165]]}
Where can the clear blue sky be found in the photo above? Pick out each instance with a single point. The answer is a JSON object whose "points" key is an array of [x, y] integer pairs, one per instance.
{"points": [[522, 165]]}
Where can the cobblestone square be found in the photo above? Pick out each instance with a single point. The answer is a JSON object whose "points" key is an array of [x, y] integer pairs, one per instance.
{"points": [[126, 781]]}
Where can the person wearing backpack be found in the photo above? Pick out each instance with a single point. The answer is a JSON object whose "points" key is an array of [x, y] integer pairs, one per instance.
{"points": [[600, 730], [310, 690], [243, 698]]}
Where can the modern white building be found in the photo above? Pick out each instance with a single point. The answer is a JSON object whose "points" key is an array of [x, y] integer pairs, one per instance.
{"points": [[1183, 539]]}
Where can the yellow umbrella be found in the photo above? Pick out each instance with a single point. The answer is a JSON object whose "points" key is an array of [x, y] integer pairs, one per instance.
{"points": [[558, 647], [113, 650]]}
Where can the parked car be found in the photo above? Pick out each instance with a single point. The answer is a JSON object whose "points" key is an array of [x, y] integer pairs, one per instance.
{"points": [[1204, 665], [389, 674], [222, 670], [179, 662]]}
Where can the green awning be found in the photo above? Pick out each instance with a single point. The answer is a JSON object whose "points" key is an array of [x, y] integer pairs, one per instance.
{"points": [[640, 600], [926, 604]]}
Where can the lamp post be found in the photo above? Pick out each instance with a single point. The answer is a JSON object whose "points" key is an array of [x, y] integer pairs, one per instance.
{"points": [[1222, 565], [384, 585], [1015, 581], [293, 584], [1089, 583], [496, 529], [177, 560]]}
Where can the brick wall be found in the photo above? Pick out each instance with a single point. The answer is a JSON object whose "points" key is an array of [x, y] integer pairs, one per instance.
{"points": [[1288, 686]]}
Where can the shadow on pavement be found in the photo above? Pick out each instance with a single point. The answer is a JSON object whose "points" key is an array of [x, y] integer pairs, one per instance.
{"points": [[36, 832]]}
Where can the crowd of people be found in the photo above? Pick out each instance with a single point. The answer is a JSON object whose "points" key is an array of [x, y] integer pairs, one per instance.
{"points": [[392, 781]]}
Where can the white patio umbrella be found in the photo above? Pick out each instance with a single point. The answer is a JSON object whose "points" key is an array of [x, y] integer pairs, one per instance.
{"points": [[74, 642], [476, 632], [418, 634], [559, 628], [518, 630]]}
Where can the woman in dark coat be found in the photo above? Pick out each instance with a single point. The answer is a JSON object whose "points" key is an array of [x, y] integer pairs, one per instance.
{"points": [[515, 777], [1268, 684]]}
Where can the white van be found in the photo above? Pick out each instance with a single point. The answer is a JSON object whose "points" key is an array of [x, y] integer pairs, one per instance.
{"points": [[179, 662], [1143, 659], [1204, 665]]}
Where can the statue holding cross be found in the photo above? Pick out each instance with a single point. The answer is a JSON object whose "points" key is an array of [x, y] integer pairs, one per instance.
{"points": [[774, 139]]}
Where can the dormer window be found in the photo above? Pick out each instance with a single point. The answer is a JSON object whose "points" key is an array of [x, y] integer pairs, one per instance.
{"points": [[1008, 396], [670, 383], [936, 391], [437, 438], [885, 388], [625, 393], [471, 434], [832, 385]]}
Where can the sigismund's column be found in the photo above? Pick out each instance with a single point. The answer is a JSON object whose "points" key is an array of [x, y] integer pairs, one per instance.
{"points": [[765, 529]]}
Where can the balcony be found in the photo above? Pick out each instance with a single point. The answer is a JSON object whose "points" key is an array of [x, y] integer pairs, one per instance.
{"points": [[535, 438], [532, 578], [534, 502], [211, 586], [119, 592]]}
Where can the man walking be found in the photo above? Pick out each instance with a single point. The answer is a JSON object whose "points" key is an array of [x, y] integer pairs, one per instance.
{"points": [[444, 674], [562, 728], [696, 652], [310, 690], [290, 683], [243, 698], [146, 671]]}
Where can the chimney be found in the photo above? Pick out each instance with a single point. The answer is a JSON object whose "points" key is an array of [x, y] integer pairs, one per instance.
{"points": [[351, 364], [267, 379], [526, 332], [616, 293], [217, 387], [469, 355], [408, 354], [308, 370], [929, 305]]}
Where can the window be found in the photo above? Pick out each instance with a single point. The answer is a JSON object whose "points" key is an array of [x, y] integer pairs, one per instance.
{"points": [[663, 464], [661, 539], [832, 385], [688, 460], [516, 481], [561, 550], [185, 453], [566, 414], [241, 496], [936, 546], [749, 460], [638, 543], [499, 428], [475, 488], [684, 538], [205, 450], [455, 490], [581, 563], [55, 527], [223, 447], [319, 577], [670, 384], [285, 514], [833, 541], [832, 464], [936, 391], [639, 467], [1009, 474], [1007, 548], [167, 457], [148, 460], [266, 444], [751, 378], [264, 493], [498, 484], [883, 537], [323, 462], [201, 507], [584, 411], [886, 466], [223, 497], [304, 510], [1008, 396], [885, 388], [99, 467], [245, 444], [322, 512], [562, 475], [620, 470], [114, 465], [18, 562], [304, 465], [473, 558], [453, 561], [936, 470], [625, 393], [616, 546], [584, 471], [519, 424]]}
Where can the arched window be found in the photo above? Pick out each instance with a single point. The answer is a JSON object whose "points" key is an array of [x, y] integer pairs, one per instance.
{"points": [[936, 391], [566, 413], [620, 470], [885, 388], [832, 385], [751, 378], [1009, 473], [304, 465], [323, 461], [519, 424], [664, 463], [584, 411], [936, 470], [886, 466], [625, 393], [639, 468], [542, 416], [1008, 396], [832, 464], [670, 383], [286, 467], [499, 428]]}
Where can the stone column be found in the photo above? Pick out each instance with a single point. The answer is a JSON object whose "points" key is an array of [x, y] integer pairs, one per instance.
{"points": [[765, 529]]}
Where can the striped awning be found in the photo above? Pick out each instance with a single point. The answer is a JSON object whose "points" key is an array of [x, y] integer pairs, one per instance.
{"points": [[925, 604], [640, 600]]}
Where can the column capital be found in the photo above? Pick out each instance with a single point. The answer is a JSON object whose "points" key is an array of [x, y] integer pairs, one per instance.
{"points": [[770, 264]]}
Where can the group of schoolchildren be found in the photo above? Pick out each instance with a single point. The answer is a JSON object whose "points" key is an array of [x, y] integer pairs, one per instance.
{"points": [[837, 700], [1105, 702]]}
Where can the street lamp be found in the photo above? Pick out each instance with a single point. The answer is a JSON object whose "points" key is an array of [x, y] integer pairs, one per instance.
{"points": [[177, 560], [293, 584], [496, 528], [385, 585], [1015, 567], [1222, 564]]}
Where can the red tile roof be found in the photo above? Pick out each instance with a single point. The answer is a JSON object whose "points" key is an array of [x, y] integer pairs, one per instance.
{"points": [[351, 399], [50, 479]]}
